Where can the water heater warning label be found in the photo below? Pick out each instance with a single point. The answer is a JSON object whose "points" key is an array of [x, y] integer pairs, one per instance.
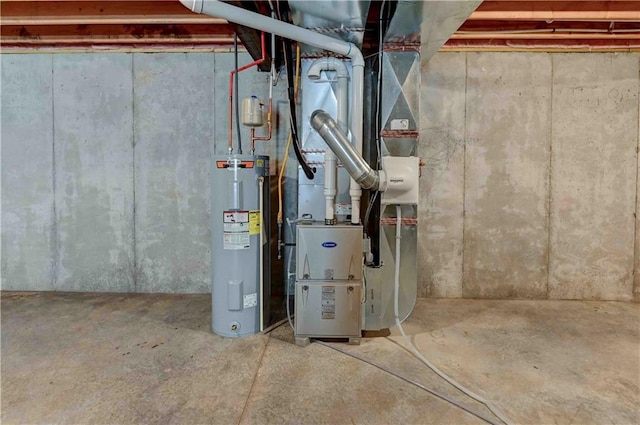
{"points": [[254, 222], [236, 230]]}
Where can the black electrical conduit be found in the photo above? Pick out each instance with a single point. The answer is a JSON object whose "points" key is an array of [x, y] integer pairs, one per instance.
{"points": [[293, 120]]}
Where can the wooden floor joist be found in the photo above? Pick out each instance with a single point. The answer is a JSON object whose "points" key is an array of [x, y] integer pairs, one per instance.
{"points": [[117, 24]]}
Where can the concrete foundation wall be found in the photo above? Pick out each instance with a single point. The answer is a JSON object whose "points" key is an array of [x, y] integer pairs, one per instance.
{"points": [[105, 167], [529, 188], [531, 175]]}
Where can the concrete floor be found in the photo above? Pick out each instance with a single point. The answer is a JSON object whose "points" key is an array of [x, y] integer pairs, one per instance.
{"points": [[113, 358]]}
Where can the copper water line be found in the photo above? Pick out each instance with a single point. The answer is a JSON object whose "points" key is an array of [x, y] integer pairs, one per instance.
{"points": [[252, 64], [269, 127]]}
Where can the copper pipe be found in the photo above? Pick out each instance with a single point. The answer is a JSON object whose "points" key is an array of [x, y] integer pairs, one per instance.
{"points": [[254, 63], [269, 127], [253, 140]]}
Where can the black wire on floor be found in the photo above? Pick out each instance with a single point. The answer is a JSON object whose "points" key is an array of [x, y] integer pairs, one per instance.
{"points": [[444, 397], [433, 392]]}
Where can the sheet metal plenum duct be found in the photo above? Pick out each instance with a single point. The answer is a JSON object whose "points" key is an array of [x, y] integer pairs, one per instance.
{"points": [[400, 101], [418, 29], [344, 20], [341, 19], [399, 125]]}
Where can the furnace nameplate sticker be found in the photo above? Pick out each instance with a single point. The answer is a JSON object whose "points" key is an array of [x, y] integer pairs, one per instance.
{"points": [[328, 302], [254, 222], [236, 230]]}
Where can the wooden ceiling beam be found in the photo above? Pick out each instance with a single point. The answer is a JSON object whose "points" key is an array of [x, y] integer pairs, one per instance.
{"points": [[545, 35], [99, 12], [558, 10], [555, 45], [166, 22], [506, 25], [251, 38], [112, 30], [113, 19], [113, 36], [93, 8]]}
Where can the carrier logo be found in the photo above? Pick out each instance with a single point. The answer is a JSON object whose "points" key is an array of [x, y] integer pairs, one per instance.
{"points": [[329, 244]]}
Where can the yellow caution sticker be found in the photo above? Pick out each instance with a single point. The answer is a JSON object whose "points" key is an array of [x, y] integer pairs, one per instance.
{"points": [[260, 163], [254, 222]]}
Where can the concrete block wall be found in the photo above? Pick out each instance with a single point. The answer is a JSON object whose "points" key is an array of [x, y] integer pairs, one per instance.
{"points": [[531, 175], [105, 168], [529, 188]]}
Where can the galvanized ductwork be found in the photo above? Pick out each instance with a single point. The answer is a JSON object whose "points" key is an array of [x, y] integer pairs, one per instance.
{"points": [[338, 142], [244, 17]]}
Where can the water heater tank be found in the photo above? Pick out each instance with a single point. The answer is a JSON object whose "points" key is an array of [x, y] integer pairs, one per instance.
{"points": [[239, 183]]}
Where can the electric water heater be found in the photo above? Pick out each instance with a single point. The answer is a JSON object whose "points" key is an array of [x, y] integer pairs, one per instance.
{"points": [[239, 244]]}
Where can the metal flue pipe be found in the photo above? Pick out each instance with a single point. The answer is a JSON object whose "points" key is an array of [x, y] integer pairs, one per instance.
{"points": [[338, 142], [237, 15]]}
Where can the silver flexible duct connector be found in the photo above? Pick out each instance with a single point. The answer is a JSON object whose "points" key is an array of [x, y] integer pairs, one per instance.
{"points": [[338, 142]]}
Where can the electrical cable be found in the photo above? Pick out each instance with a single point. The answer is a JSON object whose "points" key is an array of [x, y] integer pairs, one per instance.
{"points": [[372, 201], [293, 120], [278, 10], [412, 347], [235, 77], [288, 280], [274, 326], [379, 84], [413, 350], [287, 52], [281, 175], [290, 138], [433, 392], [378, 124], [288, 292], [289, 274]]}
